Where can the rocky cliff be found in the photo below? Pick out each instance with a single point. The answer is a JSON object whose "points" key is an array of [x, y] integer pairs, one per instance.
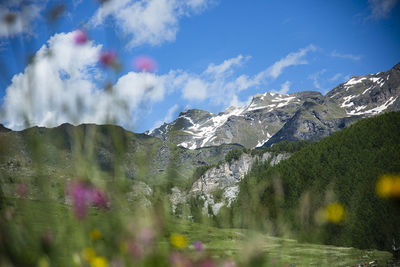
{"points": [[218, 186]]}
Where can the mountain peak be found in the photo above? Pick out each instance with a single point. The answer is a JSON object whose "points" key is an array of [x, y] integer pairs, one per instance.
{"points": [[397, 67]]}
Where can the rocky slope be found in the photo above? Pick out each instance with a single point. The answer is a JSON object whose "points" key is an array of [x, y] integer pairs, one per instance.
{"points": [[271, 118], [218, 186]]}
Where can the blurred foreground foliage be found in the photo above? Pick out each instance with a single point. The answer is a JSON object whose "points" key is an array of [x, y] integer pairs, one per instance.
{"points": [[89, 196]]}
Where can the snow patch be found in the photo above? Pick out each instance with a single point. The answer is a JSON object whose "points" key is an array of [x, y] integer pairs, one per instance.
{"points": [[346, 103], [353, 81], [260, 143], [376, 110]]}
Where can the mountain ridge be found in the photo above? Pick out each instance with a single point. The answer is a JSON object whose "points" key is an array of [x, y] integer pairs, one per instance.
{"points": [[274, 117]]}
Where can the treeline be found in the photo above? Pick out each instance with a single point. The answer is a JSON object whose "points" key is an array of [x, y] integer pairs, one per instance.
{"points": [[291, 198]]}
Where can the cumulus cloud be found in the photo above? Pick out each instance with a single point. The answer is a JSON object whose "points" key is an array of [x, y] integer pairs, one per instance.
{"points": [[346, 56], [59, 86], [148, 21], [64, 84], [18, 17], [292, 59], [220, 83], [381, 8]]}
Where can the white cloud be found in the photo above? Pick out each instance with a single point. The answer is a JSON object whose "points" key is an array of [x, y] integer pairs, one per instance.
{"points": [[335, 77], [59, 87], [62, 85], [18, 17], [315, 78], [148, 21], [285, 87], [220, 84], [226, 66], [346, 56], [295, 58], [381, 8], [195, 89]]}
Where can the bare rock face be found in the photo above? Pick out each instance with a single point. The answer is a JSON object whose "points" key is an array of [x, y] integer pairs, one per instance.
{"points": [[224, 175], [223, 179]]}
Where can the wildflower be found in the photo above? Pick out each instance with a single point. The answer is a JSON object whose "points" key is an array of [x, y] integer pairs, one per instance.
{"points": [[88, 254], [198, 246], [80, 194], [43, 262], [76, 259], [144, 63], [178, 260], [145, 236], [108, 58], [230, 263], [22, 190], [98, 198], [80, 37], [207, 263], [98, 262], [135, 250], [388, 186], [335, 212], [95, 235], [178, 241]]}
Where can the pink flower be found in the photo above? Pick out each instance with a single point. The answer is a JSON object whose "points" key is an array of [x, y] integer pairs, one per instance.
{"points": [[145, 236], [22, 190], [135, 250], [198, 246], [98, 198], [80, 37], [178, 260], [82, 195], [229, 263], [144, 63], [207, 263], [108, 58]]}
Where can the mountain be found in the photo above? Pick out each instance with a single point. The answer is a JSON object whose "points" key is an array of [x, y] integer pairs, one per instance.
{"points": [[271, 117], [61, 153]]}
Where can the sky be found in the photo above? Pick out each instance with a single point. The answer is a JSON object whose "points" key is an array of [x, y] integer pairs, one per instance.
{"points": [[205, 54]]}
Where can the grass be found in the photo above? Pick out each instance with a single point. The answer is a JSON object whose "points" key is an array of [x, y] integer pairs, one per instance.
{"points": [[238, 244]]}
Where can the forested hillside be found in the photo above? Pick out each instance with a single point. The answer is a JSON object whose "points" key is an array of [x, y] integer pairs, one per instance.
{"points": [[327, 191]]}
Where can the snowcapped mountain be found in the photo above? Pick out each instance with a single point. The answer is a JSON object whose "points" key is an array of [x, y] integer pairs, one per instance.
{"points": [[272, 117], [369, 94]]}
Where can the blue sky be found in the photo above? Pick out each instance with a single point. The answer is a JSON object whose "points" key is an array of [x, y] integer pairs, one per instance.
{"points": [[210, 54]]}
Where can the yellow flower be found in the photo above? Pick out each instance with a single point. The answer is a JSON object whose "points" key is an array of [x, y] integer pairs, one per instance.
{"points": [[88, 254], [43, 262], [178, 241], [95, 235], [388, 186], [98, 262], [335, 212], [384, 186]]}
